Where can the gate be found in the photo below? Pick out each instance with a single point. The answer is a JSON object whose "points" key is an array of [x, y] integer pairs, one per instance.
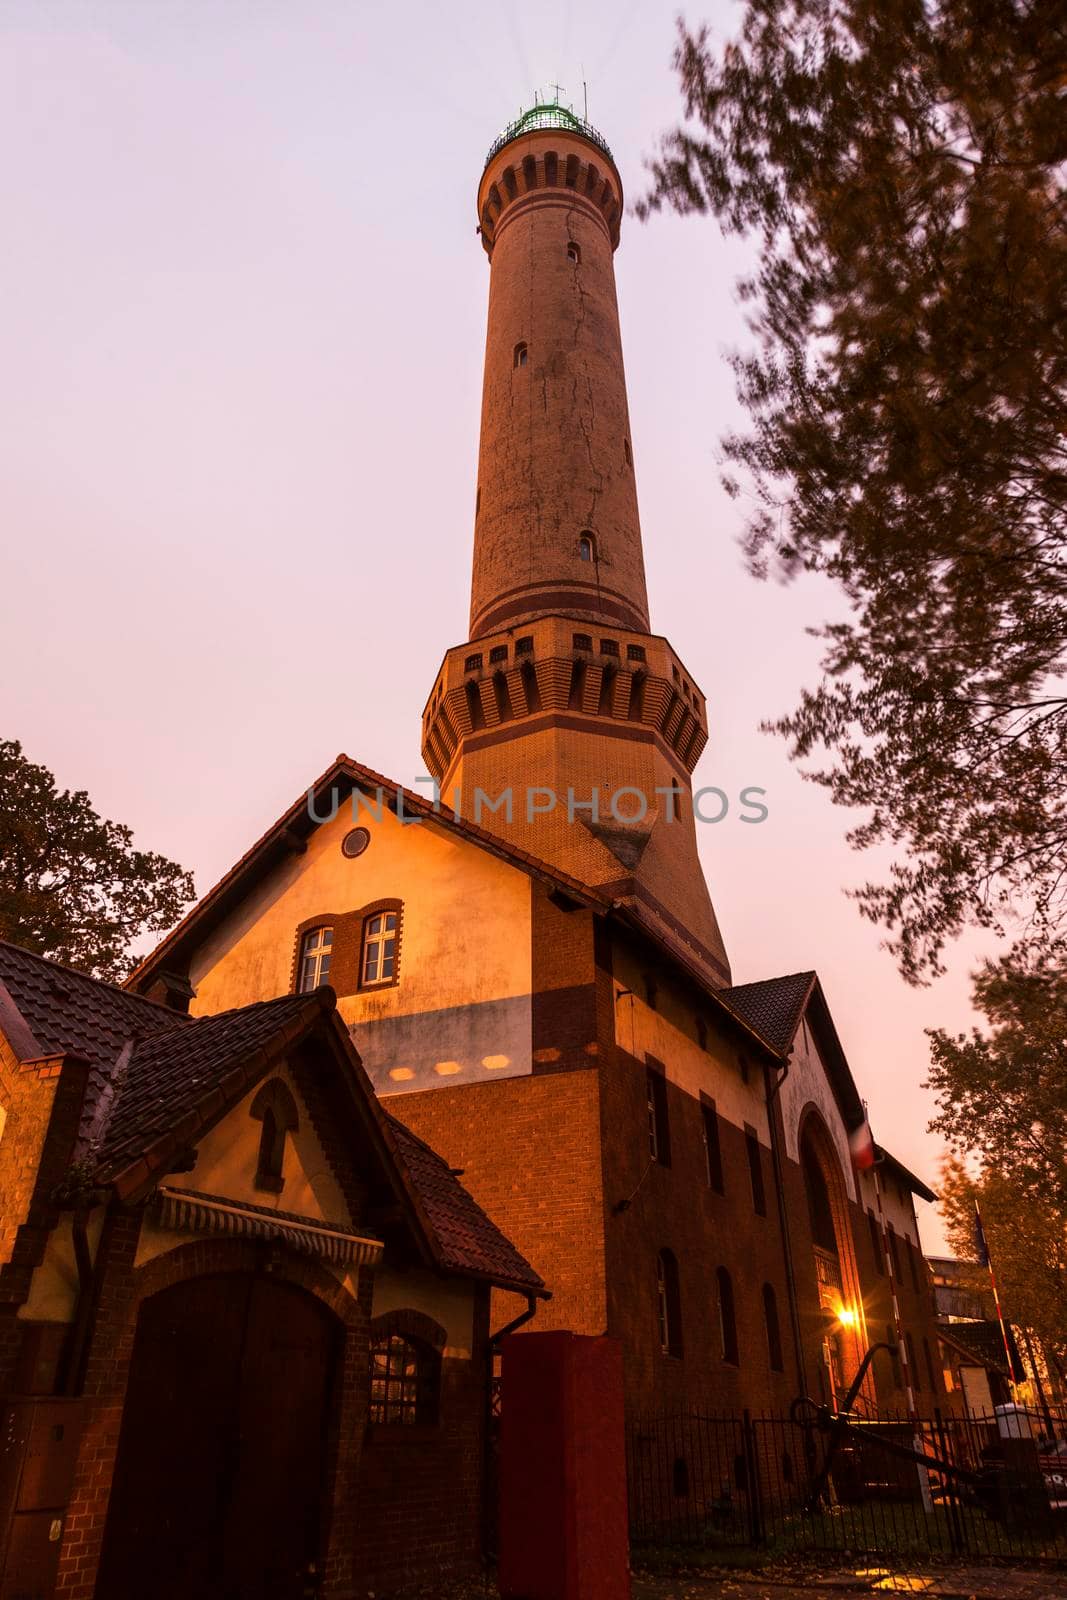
{"points": [[779, 1483]]}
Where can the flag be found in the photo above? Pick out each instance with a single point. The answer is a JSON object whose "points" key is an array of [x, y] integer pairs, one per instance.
{"points": [[861, 1146]]}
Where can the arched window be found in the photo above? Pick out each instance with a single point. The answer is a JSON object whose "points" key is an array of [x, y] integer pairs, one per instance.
{"points": [[275, 1108], [519, 358], [774, 1332], [379, 959], [820, 1211], [404, 1382], [668, 1304], [316, 948], [727, 1317], [574, 252], [586, 547]]}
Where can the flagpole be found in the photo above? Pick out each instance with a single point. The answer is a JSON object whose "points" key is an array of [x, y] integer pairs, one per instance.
{"points": [[983, 1249]]}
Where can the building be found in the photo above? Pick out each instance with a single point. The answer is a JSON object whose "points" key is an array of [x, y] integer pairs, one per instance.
{"points": [[530, 964], [981, 1360], [244, 1313]]}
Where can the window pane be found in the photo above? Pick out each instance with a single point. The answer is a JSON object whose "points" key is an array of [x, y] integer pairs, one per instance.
{"points": [[327, 937], [370, 969], [387, 966], [390, 921], [324, 969], [374, 925]]}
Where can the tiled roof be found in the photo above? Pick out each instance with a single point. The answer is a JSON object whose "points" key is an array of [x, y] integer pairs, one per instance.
{"points": [[470, 1240], [155, 1073], [773, 1006], [67, 1011], [169, 1075]]}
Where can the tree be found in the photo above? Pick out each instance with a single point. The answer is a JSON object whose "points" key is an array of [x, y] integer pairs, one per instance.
{"points": [[71, 885], [1002, 1103], [1027, 1249], [901, 167]]}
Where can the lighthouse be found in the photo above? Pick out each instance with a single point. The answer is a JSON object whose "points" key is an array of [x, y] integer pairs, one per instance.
{"points": [[563, 722]]}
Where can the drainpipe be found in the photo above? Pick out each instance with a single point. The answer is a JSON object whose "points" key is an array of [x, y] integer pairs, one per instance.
{"points": [[488, 1520], [771, 1090]]}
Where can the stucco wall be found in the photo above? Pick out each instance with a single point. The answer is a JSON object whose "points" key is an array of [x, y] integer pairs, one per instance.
{"points": [[461, 1009], [807, 1084]]}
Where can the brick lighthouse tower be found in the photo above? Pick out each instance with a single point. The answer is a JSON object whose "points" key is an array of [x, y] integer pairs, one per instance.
{"points": [[563, 722]]}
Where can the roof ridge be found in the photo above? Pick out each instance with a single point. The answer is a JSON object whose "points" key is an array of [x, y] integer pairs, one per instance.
{"points": [[806, 972], [414, 804]]}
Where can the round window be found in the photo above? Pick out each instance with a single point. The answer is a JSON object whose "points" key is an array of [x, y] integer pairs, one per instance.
{"points": [[355, 842]]}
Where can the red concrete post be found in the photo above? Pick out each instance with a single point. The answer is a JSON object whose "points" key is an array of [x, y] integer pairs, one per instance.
{"points": [[563, 1521]]}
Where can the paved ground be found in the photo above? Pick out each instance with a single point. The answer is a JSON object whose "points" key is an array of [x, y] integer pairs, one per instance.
{"points": [[941, 1583], [946, 1583]]}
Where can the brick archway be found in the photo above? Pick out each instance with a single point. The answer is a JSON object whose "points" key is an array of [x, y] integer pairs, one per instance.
{"points": [[123, 1291]]}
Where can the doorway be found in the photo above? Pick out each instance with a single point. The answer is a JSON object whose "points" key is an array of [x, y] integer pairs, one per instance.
{"points": [[219, 1477]]}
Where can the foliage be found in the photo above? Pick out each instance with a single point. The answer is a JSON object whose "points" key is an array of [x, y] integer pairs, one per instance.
{"points": [[901, 167], [1002, 1100], [72, 886], [1027, 1246]]}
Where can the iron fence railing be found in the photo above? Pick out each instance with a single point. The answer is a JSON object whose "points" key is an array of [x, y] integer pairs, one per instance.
{"points": [[722, 1480]]}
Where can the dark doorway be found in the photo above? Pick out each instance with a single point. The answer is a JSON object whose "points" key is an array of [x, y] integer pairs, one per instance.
{"points": [[218, 1482]]}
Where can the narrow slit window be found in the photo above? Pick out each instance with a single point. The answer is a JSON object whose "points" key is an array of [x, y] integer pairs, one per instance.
{"points": [[669, 1304], [574, 252], [727, 1317], [755, 1171], [712, 1149], [774, 1332], [586, 547], [521, 353]]}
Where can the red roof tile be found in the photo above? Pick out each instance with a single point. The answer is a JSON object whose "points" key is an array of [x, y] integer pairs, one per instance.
{"points": [[773, 1006]]}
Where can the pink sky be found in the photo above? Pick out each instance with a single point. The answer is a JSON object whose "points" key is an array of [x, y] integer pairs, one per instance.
{"points": [[242, 332]]}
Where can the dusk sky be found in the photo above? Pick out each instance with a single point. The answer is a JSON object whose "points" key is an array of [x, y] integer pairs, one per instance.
{"points": [[241, 334]]}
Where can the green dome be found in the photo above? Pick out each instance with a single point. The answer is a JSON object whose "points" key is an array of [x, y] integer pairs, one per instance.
{"points": [[547, 114]]}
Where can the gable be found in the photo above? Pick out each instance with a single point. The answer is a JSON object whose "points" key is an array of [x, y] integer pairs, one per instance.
{"points": [[464, 981], [807, 1083]]}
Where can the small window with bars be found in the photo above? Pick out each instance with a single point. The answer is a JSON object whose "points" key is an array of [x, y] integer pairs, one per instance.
{"points": [[404, 1387]]}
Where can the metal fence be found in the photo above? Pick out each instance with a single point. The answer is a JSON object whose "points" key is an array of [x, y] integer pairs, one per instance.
{"points": [[743, 1481]]}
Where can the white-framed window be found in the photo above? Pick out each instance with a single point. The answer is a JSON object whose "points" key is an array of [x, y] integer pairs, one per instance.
{"points": [[586, 548], [379, 948], [315, 951]]}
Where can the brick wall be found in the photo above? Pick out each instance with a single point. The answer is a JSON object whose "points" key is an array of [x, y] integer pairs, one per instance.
{"points": [[398, 1510], [43, 1100]]}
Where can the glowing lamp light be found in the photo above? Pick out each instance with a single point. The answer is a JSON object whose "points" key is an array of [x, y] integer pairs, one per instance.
{"points": [[495, 1063], [847, 1317], [447, 1068], [401, 1074]]}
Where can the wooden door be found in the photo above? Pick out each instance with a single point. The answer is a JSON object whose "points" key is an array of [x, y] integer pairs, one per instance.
{"points": [[218, 1482]]}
